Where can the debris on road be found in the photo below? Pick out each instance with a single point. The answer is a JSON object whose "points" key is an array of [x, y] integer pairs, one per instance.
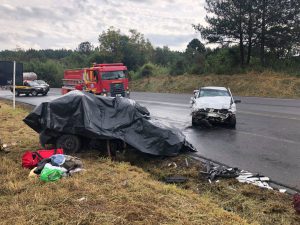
{"points": [[79, 117]]}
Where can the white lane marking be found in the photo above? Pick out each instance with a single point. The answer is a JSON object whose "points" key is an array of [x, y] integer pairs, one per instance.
{"points": [[269, 137], [163, 103], [268, 115]]}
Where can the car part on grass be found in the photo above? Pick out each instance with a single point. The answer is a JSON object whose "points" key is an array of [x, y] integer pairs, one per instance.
{"points": [[175, 180], [213, 172], [90, 117]]}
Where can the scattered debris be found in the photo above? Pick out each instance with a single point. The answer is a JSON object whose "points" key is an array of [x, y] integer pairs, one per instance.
{"points": [[175, 179], [186, 162], [4, 147], [213, 172], [296, 202], [82, 199], [255, 179], [172, 164]]}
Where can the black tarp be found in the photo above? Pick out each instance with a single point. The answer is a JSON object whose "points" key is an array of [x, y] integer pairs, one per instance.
{"points": [[94, 117]]}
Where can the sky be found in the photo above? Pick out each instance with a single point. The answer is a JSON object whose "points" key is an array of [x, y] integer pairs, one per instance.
{"points": [[56, 24]]}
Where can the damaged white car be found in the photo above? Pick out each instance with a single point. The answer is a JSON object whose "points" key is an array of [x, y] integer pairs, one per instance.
{"points": [[212, 105]]}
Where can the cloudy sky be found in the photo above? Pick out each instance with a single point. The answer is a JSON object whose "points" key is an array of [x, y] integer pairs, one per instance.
{"points": [[42, 24]]}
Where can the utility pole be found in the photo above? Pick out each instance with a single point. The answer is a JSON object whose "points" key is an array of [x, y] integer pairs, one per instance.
{"points": [[14, 86]]}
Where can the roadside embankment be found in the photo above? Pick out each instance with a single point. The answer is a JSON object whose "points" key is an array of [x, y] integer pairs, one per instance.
{"points": [[127, 191], [266, 84]]}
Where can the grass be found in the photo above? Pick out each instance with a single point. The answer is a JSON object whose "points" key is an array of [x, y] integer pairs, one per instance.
{"points": [[130, 192], [265, 84]]}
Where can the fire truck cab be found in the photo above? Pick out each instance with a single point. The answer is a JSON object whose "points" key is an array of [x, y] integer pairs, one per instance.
{"points": [[100, 79]]}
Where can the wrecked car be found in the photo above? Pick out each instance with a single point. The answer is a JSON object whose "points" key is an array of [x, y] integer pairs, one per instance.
{"points": [[77, 119], [212, 105]]}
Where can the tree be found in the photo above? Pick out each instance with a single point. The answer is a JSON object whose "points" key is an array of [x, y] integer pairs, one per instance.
{"points": [[85, 47], [270, 25], [226, 23]]}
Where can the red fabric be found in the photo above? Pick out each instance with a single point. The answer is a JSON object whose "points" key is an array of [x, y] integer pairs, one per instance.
{"points": [[79, 87], [31, 159], [296, 202]]}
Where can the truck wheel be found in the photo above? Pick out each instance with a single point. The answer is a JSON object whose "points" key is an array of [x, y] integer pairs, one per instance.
{"points": [[69, 143], [194, 122], [232, 122], [34, 93]]}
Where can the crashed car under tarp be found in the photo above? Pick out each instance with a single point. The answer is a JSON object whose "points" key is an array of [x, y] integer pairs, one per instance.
{"points": [[89, 117]]}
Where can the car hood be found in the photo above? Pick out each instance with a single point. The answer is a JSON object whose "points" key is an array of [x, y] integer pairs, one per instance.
{"points": [[218, 102]]}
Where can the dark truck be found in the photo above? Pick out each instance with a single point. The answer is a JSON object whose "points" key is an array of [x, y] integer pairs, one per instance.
{"points": [[31, 88]]}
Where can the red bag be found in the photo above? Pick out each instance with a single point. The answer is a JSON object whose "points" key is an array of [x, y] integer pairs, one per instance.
{"points": [[296, 201], [31, 159]]}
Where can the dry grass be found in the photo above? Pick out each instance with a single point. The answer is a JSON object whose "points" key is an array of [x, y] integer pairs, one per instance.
{"points": [[114, 193], [266, 84], [125, 193]]}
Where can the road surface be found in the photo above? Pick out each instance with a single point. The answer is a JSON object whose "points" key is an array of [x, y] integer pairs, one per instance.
{"points": [[266, 140]]}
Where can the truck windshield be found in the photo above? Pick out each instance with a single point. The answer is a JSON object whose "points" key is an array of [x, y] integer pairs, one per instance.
{"points": [[113, 75], [212, 93]]}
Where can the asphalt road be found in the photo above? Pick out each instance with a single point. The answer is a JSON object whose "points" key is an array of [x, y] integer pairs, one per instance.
{"points": [[266, 140]]}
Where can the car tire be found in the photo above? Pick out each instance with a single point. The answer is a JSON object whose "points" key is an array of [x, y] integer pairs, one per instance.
{"points": [[45, 93], [34, 93], [69, 143], [232, 122], [194, 123], [17, 93]]}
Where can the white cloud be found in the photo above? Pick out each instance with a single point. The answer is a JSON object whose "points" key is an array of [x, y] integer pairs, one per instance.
{"points": [[64, 24]]}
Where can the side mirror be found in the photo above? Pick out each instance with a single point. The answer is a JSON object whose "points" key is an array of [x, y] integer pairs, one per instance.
{"points": [[192, 100], [195, 93], [237, 101]]}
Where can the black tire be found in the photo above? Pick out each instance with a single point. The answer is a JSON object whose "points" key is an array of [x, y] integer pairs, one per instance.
{"points": [[27, 94], [232, 122], [17, 93], [45, 93], [194, 123], [70, 143], [34, 93]]}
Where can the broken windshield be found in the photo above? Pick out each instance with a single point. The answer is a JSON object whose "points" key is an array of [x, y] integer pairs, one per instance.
{"points": [[113, 75], [213, 93]]}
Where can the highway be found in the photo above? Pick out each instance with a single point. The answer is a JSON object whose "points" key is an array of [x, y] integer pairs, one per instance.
{"points": [[266, 140]]}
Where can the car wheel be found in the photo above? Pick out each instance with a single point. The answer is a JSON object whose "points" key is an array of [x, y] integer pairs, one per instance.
{"points": [[45, 93], [69, 143], [17, 93], [34, 93], [232, 121], [27, 94], [194, 123]]}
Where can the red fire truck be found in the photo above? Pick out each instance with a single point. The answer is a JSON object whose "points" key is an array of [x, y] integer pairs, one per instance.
{"points": [[100, 79]]}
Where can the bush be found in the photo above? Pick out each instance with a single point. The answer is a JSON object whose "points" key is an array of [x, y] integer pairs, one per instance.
{"points": [[222, 61]]}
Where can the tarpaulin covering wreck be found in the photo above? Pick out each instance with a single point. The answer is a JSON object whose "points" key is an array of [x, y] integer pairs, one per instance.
{"points": [[95, 117]]}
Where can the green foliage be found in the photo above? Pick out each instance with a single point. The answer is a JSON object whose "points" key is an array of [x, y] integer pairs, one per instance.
{"points": [[51, 71], [222, 61], [149, 69]]}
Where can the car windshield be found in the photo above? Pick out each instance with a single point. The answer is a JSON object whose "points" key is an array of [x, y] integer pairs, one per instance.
{"points": [[113, 75], [213, 93], [32, 83], [40, 82]]}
